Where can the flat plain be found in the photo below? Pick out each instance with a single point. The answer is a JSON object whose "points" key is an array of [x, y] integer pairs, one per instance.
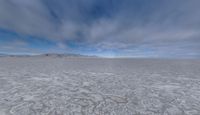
{"points": [[99, 86]]}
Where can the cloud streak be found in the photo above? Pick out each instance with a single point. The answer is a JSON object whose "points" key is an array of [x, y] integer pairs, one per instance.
{"points": [[109, 25]]}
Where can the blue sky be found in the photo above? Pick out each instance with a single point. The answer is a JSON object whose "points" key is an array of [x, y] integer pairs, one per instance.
{"points": [[110, 28]]}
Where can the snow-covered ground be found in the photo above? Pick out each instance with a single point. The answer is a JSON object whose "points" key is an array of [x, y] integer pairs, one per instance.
{"points": [[97, 86]]}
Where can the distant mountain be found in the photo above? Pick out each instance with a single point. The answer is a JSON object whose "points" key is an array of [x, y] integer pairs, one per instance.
{"points": [[13, 55], [3, 54], [45, 55], [64, 55]]}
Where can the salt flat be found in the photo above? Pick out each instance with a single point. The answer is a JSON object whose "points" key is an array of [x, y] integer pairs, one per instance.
{"points": [[98, 86]]}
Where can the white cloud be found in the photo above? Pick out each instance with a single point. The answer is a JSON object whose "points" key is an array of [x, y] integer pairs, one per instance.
{"points": [[155, 24], [61, 45]]}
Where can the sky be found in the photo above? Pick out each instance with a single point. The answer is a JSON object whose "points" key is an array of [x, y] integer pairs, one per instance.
{"points": [[109, 28]]}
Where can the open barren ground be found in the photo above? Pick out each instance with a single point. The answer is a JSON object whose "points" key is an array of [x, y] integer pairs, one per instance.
{"points": [[98, 86]]}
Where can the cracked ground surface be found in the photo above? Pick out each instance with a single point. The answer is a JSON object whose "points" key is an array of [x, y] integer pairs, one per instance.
{"points": [[97, 86]]}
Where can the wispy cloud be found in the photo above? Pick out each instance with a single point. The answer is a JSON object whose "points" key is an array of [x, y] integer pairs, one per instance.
{"points": [[124, 26]]}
